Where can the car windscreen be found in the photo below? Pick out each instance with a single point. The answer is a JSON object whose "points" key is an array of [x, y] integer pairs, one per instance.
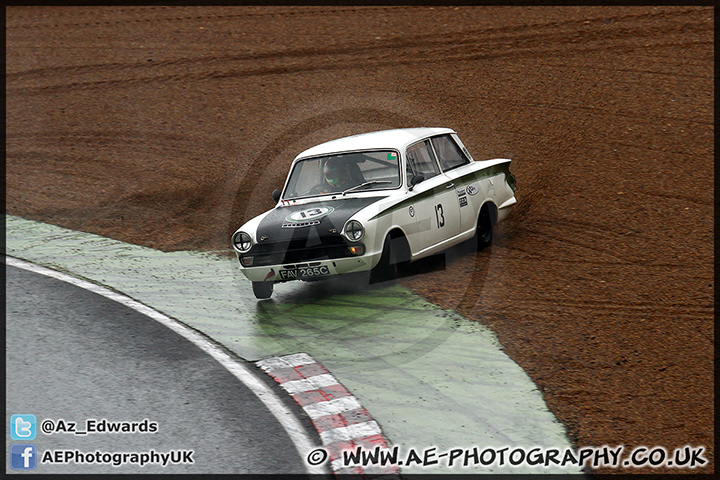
{"points": [[345, 172]]}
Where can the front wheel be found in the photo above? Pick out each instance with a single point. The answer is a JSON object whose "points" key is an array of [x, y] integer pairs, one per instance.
{"points": [[484, 231], [262, 290], [395, 256]]}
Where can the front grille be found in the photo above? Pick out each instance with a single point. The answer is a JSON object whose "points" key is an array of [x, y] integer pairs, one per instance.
{"points": [[298, 251]]}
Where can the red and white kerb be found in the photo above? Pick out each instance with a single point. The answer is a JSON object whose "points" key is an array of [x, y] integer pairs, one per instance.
{"points": [[343, 424]]}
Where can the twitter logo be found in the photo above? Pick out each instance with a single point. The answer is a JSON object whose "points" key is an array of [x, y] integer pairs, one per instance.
{"points": [[23, 427]]}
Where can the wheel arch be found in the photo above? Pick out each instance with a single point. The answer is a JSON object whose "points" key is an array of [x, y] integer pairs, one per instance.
{"points": [[401, 244], [486, 220], [492, 208]]}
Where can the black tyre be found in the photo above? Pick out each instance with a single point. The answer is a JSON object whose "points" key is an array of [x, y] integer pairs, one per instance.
{"points": [[484, 230], [262, 290], [395, 256]]}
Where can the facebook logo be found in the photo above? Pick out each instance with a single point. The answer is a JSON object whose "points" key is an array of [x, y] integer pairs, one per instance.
{"points": [[23, 456], [23, 427]]}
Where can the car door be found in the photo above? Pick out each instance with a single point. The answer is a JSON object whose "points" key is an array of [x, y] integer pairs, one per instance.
{"points": [[434, 200], [453, 161]]}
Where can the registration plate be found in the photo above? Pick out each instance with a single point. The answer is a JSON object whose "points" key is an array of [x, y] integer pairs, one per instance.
{"points": [[304, 272]]}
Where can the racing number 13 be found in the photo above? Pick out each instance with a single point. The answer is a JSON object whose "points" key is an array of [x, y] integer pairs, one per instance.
{"points": [[439, 217]]}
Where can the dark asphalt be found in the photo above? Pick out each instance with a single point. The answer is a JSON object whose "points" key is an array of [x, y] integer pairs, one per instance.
{"points": [[75, 355]]}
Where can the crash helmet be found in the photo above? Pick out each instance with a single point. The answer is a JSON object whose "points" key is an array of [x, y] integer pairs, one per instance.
{"points": [[336, 172]]}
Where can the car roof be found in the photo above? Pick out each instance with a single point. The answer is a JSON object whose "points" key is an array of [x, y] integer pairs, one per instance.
{"points": [[397, 139]]}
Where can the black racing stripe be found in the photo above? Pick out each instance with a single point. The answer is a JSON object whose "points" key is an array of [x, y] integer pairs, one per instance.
{"points": [[460, 182], [271, 228]]}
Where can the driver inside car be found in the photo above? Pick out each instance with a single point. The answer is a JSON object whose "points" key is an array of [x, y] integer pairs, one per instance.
{"points": [[337, 177]]}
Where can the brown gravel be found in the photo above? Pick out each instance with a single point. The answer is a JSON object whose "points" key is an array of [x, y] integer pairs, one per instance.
{"points": [[167, 127]]}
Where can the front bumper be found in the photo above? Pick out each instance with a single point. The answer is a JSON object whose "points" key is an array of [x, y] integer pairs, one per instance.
{"points": [[336, 266]]}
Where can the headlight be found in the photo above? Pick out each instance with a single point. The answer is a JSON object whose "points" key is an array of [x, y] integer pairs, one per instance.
{"points": [[354, 230], [242, 242]]}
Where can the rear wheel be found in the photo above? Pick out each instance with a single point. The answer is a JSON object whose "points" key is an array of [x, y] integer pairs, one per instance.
{"points": [[484, 231], [262, 290]]}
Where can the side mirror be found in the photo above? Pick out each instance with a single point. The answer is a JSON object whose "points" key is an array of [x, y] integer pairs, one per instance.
{"points": [[415, 180], [276, 194]]}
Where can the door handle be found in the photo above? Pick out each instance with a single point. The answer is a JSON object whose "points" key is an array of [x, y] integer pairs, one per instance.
{"points": [[449, 186]]}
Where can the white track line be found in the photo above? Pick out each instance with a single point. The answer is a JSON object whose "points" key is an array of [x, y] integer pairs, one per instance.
{"points": [[303, 443]]}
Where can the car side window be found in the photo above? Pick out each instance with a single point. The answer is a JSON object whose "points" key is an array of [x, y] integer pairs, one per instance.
{"points": [[448, 152], [421, 159], [408, 173]]}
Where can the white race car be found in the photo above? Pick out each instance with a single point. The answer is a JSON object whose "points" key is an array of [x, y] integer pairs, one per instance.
{"points": [[373, 202]]}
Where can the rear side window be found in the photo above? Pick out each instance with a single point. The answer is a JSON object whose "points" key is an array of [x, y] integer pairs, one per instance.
{"points": [[448, 152], [421, 160]]}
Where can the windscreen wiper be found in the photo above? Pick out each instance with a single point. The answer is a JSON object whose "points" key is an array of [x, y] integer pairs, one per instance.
{"points": [[372, 182]]}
